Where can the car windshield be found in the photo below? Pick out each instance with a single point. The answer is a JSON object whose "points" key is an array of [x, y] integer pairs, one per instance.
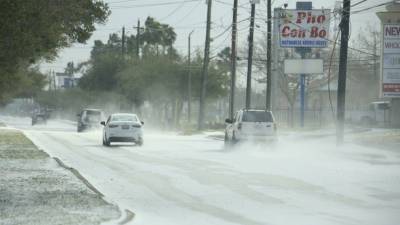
{"points": [[93, 116], [257, 116], [93, 113], [131, 118]]}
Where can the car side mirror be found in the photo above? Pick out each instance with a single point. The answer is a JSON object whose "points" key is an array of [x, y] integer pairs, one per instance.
{"points": [[103, 123], [142, 122], [228, 121]]}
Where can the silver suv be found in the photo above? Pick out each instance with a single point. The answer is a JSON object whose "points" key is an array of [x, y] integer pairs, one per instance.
{"points": [[251, 125]]}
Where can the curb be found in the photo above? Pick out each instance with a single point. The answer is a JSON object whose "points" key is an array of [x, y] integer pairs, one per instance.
{"points": [[129, 215], [79, 176]]}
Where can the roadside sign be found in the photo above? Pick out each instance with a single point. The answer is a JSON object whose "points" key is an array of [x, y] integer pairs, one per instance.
{"points": [[391, 60], [303, 66], [304, 28]]}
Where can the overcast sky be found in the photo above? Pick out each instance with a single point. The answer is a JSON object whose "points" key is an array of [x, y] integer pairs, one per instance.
{"points": [[189, 15]]}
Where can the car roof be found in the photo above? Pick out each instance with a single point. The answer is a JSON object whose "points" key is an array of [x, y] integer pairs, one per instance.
{"points": [[92, 110], [123, 114], [257, 110]]}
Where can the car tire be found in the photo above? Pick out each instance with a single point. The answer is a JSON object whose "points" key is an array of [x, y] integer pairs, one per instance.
{"points": [[140, 142], [227, 142], [106, 142], [234, 140]]}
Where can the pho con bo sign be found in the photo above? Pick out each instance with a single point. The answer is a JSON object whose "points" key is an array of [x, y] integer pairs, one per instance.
{"points": [[304, 28], [391, 60]]}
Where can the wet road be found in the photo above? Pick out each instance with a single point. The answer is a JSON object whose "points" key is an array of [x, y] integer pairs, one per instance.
{"points": [[176, 179]]}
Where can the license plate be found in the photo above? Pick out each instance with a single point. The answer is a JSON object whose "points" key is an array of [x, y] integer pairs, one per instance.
{"points": [[125, 127]]}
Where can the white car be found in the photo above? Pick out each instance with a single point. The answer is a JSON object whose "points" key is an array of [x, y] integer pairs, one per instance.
{"points": [[251, 125], [122, 127]]}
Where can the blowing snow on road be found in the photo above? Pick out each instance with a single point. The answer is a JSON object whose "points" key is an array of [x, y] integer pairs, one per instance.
{"points": [[176, 179]]}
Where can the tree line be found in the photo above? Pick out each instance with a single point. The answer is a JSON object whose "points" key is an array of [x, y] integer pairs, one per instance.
{"points": [[33, 31], [155, 78]]}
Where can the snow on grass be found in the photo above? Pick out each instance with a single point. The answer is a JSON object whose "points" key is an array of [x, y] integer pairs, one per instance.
{"points": [[35, 190], [381, 138]]}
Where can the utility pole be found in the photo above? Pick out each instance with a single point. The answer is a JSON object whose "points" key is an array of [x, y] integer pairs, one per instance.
{"points": [[205, 68], [189, 80], [269, 50], [233, 60], [376, 76], [138, 39], [123, 41], [341, 93], [250, 56], [54, 81]]}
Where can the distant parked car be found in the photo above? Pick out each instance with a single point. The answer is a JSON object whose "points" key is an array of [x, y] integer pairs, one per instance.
{"points": [[122, 127], [251, 125], [40, 115], [89, 119]]}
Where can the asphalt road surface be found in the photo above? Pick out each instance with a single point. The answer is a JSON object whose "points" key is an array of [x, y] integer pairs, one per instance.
{"points": [[193, 180]]}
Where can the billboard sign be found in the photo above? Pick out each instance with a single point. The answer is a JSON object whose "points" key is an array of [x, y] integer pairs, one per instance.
{"points": [[304, 28], [303, 66], [391, 61]]}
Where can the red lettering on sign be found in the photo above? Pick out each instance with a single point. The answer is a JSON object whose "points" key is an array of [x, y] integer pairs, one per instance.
{"points": [[310, 18], [300, 16], [316, 33], [295, 33], [322, 33], [286, 31], [321, 18]]}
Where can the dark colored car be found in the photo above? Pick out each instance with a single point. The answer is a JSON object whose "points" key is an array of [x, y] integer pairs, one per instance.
{"points": [[40, 115], [89, 119]]}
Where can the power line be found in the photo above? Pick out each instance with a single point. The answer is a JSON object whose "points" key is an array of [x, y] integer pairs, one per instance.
{"points": [[228, 28], [173, 11], [371, 7], [189, 13], [357, 3]]}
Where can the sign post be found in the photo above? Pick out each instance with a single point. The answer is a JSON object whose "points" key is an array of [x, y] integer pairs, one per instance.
{"points": [[303, 29]]}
